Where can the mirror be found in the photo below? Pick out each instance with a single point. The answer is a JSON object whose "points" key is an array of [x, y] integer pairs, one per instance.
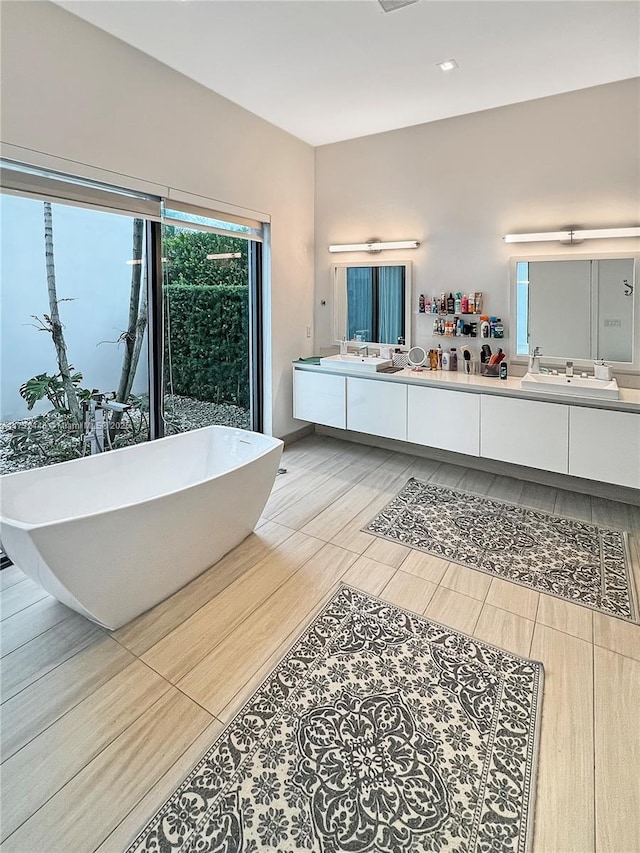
{"points": [[578, 308], [372, 302]]}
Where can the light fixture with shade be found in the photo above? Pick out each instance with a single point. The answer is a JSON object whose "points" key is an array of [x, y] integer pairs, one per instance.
{"points": [[572, 234], [375, 246]]}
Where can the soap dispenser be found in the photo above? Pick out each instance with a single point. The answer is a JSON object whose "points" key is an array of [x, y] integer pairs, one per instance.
{"points": [[602, 371]]}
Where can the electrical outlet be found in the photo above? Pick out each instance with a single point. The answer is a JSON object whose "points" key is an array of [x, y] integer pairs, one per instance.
{"points": [[308, 331], [613, 322]]}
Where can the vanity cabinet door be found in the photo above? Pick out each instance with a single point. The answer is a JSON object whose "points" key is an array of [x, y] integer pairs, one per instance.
{"points": [[525, 432], [449, 420], [319, 398], [605, 446], [377, 407]]}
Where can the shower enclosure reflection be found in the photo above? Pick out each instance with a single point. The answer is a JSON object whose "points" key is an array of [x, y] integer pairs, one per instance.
{"points": [[372, 302]]}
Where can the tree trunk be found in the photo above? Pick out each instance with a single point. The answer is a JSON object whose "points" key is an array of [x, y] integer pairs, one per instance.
{"points": [[130, 362], [135, 329], [54, 314]]}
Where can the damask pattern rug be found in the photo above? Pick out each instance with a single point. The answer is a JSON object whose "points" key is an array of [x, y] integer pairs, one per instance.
{"points": [[379, 731], [574, 560]]}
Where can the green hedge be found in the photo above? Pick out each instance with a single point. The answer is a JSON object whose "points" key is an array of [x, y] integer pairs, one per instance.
{"points": [[209, 337]]}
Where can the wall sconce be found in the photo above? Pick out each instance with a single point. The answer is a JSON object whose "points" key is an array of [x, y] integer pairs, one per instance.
{"points": [[572, 235], [375, 246]]}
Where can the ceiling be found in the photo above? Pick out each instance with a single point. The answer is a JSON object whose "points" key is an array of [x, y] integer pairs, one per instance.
{"points": [[328, 70]]}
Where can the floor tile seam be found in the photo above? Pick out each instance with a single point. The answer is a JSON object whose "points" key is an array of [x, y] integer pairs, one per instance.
{"points": [[35, 637], [286, 644], [535, 619], [148, 790], [87, 763], [294, 501], [484, 602], [68, 709], [313, 517], [20, 609], [10, 585], [205, 603], [615, 652], [345, 494], [53, 668], [246, 616]]}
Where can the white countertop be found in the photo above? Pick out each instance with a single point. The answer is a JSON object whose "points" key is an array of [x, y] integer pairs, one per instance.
{"points": [[628, 401]]}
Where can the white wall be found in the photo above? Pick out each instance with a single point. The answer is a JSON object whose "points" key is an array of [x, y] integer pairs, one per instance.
{"points": [[72, 91], [460, 184]]}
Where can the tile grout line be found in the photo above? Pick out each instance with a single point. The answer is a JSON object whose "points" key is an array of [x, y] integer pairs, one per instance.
{"points": [[84, 766], [215, 595]]}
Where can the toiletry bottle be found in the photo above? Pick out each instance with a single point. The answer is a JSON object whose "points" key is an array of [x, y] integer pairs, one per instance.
{"points": [[451, 304], [471, 305], [460, 326], [453, 359], [458, 303], [343, 347], [427, 307], [446, 360], [434, 304], [421, 307], [478, 302], [443, 303], [464, 304], [503, 370], [439, 357], [485, 328]]}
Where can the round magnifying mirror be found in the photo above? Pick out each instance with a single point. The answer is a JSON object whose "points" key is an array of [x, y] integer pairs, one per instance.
{"points": [[416, 357]]}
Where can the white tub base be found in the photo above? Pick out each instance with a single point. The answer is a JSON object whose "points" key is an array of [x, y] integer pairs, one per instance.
{"points": [[112, 535]]}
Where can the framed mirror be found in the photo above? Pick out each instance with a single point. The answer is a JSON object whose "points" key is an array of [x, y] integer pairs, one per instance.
{"points": [[372, 302], [580, 308]]}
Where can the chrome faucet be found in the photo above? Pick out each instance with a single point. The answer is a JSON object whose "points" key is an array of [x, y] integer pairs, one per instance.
{"points": [[568, 370], [534, 360], [363, 350]]}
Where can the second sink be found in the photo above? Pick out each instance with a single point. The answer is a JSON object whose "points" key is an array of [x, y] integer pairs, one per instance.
{"points": [[571, 385]]}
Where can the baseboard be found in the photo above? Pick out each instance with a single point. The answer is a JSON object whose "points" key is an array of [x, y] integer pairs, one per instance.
{"points": [[296, 435], [505, 469]]}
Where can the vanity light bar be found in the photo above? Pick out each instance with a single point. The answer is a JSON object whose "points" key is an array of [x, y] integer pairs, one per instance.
{"points": [[572, 235], [375, 246]]}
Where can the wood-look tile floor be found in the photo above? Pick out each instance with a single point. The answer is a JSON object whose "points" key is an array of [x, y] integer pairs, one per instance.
{"points": [[98, 727]]}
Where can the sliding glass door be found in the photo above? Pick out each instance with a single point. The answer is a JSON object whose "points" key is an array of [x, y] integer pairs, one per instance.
{"points": [[211, 301]]}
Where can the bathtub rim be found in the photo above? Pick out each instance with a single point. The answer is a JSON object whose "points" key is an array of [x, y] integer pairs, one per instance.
{"points": [[28, 526]]}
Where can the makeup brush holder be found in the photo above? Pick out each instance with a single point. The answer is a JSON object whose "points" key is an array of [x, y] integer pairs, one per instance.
{"points": [[492, 370]]}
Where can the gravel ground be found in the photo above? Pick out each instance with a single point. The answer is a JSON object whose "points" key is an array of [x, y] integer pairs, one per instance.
{"points": [[47, 440]]}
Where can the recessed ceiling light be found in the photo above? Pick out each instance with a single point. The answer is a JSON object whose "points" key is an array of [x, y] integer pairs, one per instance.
{"points": [[447, 65]]}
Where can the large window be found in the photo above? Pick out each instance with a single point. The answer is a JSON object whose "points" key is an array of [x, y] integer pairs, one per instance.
{"points": [[120, 322]]}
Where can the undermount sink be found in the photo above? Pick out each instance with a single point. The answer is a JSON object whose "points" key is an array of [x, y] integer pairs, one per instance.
{"points": [[574, 386], [364, 363]]}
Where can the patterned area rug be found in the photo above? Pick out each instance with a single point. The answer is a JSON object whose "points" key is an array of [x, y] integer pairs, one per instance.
{"points": [[379, 731], [580, 562]]}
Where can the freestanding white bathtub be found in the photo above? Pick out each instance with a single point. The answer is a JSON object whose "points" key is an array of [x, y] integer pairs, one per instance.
{"points": [[113, 534]]}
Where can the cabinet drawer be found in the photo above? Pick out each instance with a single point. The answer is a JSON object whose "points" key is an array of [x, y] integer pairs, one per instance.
{"points": [[449, 420], [525, 432], [605, 446], [377, 407], [319, 398]]}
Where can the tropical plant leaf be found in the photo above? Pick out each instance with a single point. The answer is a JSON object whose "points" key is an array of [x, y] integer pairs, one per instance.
{"points": [[36, 389]]}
